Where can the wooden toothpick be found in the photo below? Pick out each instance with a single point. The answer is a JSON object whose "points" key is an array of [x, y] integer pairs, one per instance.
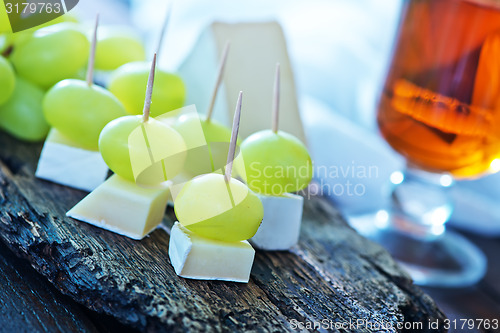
{"points": [[234, 138], [149, 91], [276, 99], [220, 74], [164, 28], [90, 67]]}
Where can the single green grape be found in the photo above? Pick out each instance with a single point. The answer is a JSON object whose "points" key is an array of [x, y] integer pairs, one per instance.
{"points": [[22, 114], [80, 111], [129, 81], [145, 152], [207, 142], [18, 38], [274, 163], [213, 208], [51, 54], [116, 47], [10, 39], [7, 80]]}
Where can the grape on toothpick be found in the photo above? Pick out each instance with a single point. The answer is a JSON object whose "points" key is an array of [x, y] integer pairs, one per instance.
{"points": [[117, 46], [273, 162], [140, 148], [128, 84], [217, 206], [80, 109], [217, 136]]}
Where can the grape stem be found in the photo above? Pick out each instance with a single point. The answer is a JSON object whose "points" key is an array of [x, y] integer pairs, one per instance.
{"points": [[220, 75], [164, 28], [234, 138], [149, 91], [276, 99], [90, 67]]}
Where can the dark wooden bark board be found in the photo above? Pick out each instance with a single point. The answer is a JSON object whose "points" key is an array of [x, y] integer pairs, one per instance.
{"points": [[30, 303], [334, 275], [27, 304]]}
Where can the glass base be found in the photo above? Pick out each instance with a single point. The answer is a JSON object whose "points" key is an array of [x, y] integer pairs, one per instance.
{"points": [[448, 260]]}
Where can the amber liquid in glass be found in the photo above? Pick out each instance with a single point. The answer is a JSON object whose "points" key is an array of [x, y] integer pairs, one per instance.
{"points": [[440, 106]]}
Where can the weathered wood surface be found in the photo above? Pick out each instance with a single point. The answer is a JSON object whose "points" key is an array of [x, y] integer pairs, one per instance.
{"points": [[30, 303], [334, 274]]}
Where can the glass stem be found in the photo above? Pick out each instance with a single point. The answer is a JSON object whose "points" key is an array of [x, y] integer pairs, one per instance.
{"points": [[421, 204]]}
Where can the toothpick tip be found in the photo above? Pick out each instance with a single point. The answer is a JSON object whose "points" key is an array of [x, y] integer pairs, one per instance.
{"points": [[220, 74], [234, 139], [163, 30], [149, 90], [276, 100], [91, 61]]}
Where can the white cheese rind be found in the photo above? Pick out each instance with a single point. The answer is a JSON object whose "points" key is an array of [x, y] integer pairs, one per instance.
{"points": [[280, 227], [200, 258], [251, 63], [123, 207], [63, 163]]}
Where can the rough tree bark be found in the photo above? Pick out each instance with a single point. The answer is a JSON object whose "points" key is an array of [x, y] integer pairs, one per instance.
{"points": [[334, 275]]}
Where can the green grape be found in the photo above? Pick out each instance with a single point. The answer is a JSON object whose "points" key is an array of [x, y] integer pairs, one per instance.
{"points": [[210, 207], [51, 54], [19, 38], [145, 152], [207, 150], [274, 163], [22, 115], [128, 83], [12, 39], [80, 112], [7, 80], [116, 48]]}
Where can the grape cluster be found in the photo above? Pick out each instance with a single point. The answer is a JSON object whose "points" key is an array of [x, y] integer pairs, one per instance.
{"points": [[41, 79], [30, 62]]}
